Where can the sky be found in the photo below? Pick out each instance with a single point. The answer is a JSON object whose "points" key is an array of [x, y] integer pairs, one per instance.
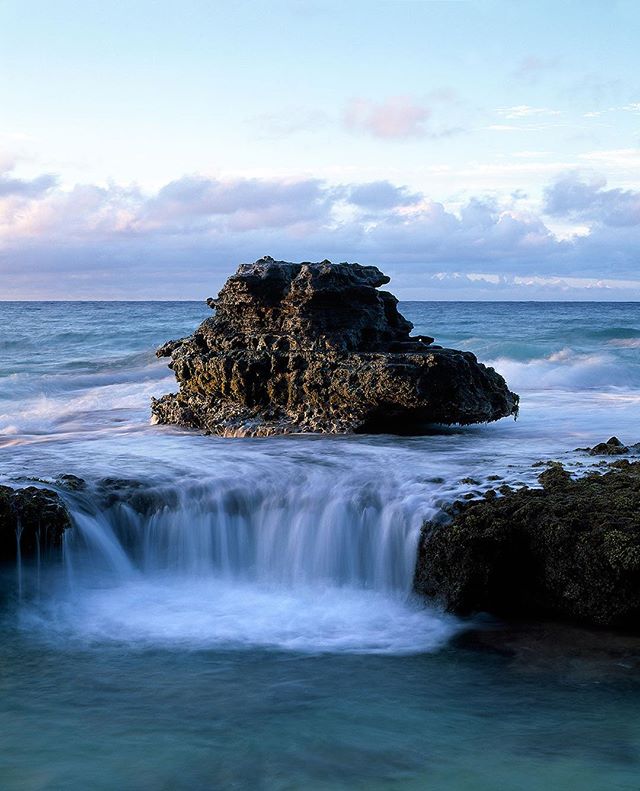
{"points": [[471, 150]]}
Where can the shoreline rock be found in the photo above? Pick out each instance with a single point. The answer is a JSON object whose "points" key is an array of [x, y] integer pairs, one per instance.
{"points": [[316, 347], [32, 517], [569, 550]]}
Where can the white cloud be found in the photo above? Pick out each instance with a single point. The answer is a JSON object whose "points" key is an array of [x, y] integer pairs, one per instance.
{"points": [[525, 111], [182, 240], [628, 158]]}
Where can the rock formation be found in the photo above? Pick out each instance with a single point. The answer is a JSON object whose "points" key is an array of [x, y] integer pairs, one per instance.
{"points": [[33, 518], [316, 347], [570, 550]]}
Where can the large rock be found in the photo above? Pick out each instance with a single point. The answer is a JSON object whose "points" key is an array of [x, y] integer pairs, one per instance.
{"points": [[318, 348], [569, 550], [33, 519]]}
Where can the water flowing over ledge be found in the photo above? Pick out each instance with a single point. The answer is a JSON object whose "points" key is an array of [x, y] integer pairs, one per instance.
{"points": [[313, 562]]}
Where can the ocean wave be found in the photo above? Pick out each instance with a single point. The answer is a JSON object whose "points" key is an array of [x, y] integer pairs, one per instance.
{"points": [[83, 409], [625, 343], [52, 383], [568, 370], [611, 333]]}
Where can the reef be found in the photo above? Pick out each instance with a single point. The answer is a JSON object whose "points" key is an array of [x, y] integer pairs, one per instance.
{"points": [[32, 520], [317, 347], [569, 550]]}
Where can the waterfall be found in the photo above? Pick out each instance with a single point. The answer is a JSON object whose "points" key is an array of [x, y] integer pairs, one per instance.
{"points": [[264, 550], [297, 533]]}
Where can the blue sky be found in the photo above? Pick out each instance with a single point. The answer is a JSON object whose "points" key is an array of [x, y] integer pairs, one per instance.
{"points": [[473, 150]]}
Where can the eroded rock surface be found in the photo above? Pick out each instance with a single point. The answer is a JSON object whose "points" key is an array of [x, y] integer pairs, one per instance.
{"points": [[33, 518], [569, 550], [316, 347]]}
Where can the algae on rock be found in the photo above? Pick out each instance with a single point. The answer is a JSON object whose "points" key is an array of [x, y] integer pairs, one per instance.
{"points": [[569, 550]]}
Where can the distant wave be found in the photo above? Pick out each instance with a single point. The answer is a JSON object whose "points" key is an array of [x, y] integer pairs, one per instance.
{"points": [[625, 343], [612, 333]]}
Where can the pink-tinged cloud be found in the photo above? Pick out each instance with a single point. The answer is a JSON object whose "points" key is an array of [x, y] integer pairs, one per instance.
{"points": [[117, 241], [394, 118]]}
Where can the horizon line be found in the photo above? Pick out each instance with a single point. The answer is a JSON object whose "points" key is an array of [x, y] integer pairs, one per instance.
{"points": [[192, 301]]}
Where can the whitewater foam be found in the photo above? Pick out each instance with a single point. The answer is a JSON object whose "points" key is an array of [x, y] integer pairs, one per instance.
{"points": [[208, 613], [566, 369]]}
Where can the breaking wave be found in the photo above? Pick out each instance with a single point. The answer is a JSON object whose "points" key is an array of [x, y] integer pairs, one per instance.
{"points": [[568, 370]]}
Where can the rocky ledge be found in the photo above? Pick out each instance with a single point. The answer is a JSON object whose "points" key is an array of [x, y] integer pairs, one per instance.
{"points": [[569, 550], [316, 347], [32, 520]]}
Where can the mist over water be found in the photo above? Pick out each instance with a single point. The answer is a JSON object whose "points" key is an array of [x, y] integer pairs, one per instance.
{"points": [[205, 570]]}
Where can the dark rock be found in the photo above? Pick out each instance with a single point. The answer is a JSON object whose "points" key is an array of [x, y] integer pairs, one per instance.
{"points": [[612, 447], [570, 550], [71, 482], [140, 496], [34, 517], [317, 347]]}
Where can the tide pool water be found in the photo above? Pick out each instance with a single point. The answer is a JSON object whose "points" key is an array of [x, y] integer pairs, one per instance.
{"points": [[253, 625]]}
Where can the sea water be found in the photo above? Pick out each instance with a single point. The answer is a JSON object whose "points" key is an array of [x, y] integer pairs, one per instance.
{"points": [[254, 626]]}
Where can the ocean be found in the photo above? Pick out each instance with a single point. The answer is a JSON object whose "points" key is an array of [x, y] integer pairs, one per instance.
{"points": [[255, 628]]}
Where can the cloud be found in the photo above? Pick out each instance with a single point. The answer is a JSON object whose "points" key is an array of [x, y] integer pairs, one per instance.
{"points": [[584, 199], [381, 195], [627, 159], [116, 241], [196, 202], [26, 188], [396, 118], [525, 111]]}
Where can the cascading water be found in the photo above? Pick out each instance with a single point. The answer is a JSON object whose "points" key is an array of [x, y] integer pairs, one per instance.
{"points": [[303, 556], [314, 531]]}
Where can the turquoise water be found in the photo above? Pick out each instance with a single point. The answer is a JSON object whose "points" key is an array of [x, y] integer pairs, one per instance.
{"points": [[254, 628], [114, 718]]}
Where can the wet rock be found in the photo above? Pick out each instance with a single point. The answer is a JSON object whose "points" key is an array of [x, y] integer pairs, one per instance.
{"points": [[71, 482], [318, 347], [569, 550], [612, 447], [140, 496], [36, 518]]}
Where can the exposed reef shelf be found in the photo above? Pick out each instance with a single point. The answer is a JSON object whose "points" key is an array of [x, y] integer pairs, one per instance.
{"points": [[568, 550]]}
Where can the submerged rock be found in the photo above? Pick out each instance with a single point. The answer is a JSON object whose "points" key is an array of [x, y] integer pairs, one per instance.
{"points": [[33, 518], [316, 347], [569, 550]]}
